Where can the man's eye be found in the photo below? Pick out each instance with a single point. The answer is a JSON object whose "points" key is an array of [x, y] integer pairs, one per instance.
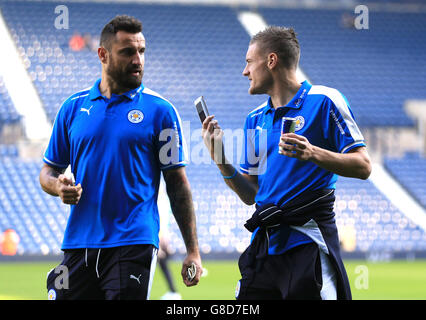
{"points": [[126, 52]]}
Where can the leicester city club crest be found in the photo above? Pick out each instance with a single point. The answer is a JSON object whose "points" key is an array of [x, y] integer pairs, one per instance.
{"points": [[51, 295], [135, 116], [300, 122]]}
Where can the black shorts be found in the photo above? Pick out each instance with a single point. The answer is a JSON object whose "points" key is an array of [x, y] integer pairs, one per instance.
{"points": [[295, 274], [104, 274]]}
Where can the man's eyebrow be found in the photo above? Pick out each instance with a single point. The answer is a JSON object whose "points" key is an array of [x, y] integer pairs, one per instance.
{"points": [[126, 48], [131, 47]]}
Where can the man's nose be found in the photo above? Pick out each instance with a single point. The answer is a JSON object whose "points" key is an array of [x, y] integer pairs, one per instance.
{"points": [[245, 72], [137, 59]]}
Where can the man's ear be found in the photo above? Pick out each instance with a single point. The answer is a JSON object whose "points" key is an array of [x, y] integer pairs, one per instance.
{"points": [[103, 55], [272, 60]]}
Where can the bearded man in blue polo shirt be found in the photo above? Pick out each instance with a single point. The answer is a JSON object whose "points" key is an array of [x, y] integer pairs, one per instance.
{"points": [[118, 137], [294, 251]]}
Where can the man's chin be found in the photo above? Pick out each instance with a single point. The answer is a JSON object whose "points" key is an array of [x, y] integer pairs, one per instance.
{"points": [[132, 83], [253, 91]]}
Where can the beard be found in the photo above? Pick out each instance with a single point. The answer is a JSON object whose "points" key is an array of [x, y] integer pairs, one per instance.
{"points": [[257, 89], [261, 86], [123, 77]]}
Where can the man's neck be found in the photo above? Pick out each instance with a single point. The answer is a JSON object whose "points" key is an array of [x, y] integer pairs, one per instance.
{"points": [[108, 87], [284, 89]]}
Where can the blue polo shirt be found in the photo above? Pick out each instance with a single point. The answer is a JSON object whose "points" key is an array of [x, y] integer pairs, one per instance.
{"points": [[324, 117], [117, 148]]}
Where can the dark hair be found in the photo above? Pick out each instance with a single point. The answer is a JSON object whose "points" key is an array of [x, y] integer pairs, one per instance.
{"points": [[119, 23], [281, 41]]}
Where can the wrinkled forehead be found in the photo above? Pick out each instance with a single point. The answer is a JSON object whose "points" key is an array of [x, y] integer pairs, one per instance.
{"points": [[126, 39]]}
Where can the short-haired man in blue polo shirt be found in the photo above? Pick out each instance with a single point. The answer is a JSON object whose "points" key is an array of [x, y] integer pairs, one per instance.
{"points": [[294, 252], [118, 137]]}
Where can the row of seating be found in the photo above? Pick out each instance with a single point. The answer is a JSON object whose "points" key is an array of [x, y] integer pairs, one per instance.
{"points": [[366, 220]]}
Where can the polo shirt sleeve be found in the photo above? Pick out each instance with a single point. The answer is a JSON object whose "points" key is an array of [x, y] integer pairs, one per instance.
{"points": [[57, 153], [340, 128], [172, 148]]}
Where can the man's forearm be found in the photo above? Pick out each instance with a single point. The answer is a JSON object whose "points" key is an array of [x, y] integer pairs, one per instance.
{"points": [[48, 180], [353, 164], [180, 197], [244, 186], [241, 185]]}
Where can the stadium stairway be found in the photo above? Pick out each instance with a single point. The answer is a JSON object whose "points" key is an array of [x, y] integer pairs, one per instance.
{"points": [[25, 99], [409, 171]]}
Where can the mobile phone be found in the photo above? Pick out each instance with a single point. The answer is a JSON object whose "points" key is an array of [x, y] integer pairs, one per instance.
{"points": [[201, 106], [191, 272]]}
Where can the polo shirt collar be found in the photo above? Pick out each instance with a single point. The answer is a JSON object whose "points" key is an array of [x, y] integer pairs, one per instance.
{"points": [[95, 92], [297, 101], [131, 94]]}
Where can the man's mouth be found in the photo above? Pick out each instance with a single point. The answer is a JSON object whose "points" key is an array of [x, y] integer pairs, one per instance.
{"points": [[136, 72]]}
